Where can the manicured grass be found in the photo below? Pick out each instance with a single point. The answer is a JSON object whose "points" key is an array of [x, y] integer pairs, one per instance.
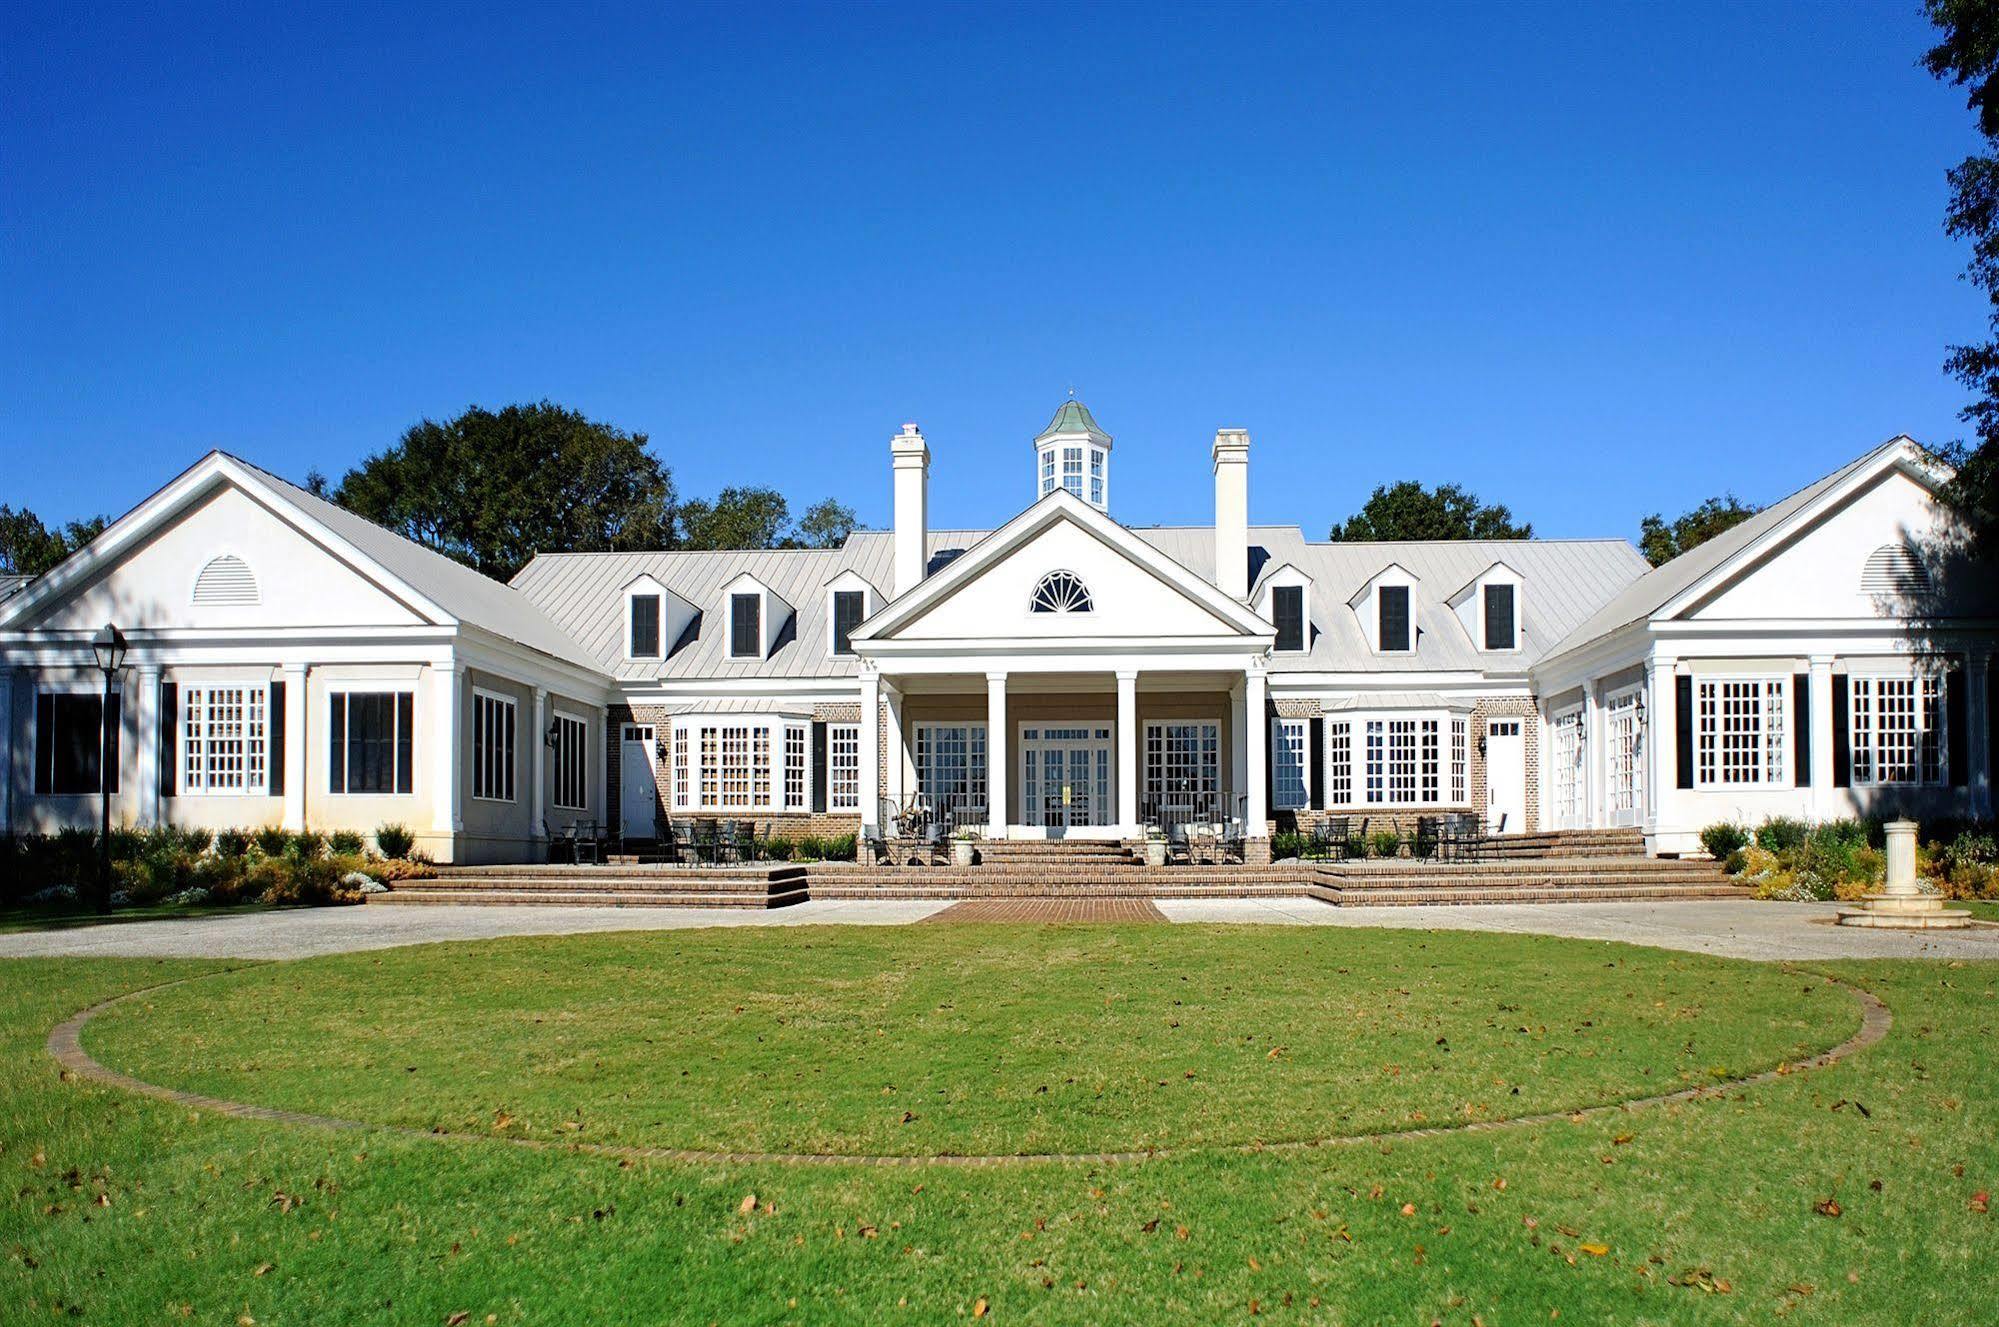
{"points": [[1985, 910], [1640, 1217], [67, 916], [971, 1040]]}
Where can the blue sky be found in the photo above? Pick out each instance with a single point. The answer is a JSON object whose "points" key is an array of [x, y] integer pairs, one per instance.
{"points": [[1591, 261]]}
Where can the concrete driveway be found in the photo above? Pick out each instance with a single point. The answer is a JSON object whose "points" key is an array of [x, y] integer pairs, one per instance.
{"points": [[1731, 928]]}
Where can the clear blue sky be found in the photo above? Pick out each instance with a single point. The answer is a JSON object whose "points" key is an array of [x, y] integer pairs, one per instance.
{"points": [[1591, 261]]}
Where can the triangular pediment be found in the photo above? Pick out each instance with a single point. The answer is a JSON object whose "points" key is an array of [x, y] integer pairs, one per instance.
{"points": [[1096, 580]]}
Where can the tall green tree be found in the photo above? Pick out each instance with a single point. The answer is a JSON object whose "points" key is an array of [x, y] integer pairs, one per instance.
{"points": [[29, 548], [1408, 510], [1661, 541], [826, 524], [493, 488], [1968, 57], [736, 518]]}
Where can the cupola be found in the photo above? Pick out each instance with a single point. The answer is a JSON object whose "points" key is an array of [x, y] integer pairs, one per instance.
{"points": [[1073, 453]]}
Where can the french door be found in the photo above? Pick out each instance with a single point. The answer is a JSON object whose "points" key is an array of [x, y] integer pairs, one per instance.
{"points": [[1067, 774]]}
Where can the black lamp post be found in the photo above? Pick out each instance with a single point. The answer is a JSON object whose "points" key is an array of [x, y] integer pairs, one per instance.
{"points": [[109, 647]]}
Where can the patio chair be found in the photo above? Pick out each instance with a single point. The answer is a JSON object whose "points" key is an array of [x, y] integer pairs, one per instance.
{"points": [[680, 842], [1235, 842], [561, 842], [874, 845], [1424, 839], [585, 838], [707, 843], [729, 843]]}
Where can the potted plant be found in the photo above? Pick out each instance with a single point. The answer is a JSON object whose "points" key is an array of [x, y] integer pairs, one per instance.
{"points": [[1155, 846], [964, 843]]}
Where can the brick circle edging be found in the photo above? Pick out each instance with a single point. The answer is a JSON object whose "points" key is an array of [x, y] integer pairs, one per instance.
{"points": [[65, 1043]]}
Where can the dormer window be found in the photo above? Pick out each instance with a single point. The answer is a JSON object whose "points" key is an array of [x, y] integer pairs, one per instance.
{"points": [[745, 626], [1287, 610], [1500, 604], [1392, 619], [850, 608], [645, 643]]}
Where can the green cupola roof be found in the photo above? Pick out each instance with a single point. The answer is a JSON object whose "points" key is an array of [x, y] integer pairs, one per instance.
{"points": [[1073, 417]]}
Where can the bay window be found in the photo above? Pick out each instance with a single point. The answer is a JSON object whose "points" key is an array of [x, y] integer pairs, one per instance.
{"points": [[1896, 728], [1407, 759], [1740, 734], [225, 739], [742, 764]]}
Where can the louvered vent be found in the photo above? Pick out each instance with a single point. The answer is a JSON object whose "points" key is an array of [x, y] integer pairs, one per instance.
{"points": [[1894, 570], [226, 580]]}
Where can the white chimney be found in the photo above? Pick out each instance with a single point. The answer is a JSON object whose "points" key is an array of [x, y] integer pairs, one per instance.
{"points": [[1232, 512], [911, 459]]}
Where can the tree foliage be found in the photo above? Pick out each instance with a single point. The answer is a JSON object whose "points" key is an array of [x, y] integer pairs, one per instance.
{"points": [[1410, 511], [29, 548], [1661, 542], [756, 517], [492, 488], [826, 524], [1968, 57]]}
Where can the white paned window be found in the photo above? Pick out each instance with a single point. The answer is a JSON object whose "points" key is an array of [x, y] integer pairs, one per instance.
{"points": [[225, 740], [1896, 728], [1060, 592], [571, 782], [1289, 775], [1097, 476], [1183, 767], [1377, 747], [1048, 471], [1740, 735], [493, 721], [1568, 769], [1339, 763], [951, 766], [741, 765], [1460, 762], [1072, 470], [1621, 729], [794, 768], [1401, 761], [843, 767]]}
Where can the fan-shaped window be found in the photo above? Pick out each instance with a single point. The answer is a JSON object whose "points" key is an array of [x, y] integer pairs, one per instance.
{"points": [[1894, 569], [226, 580], [1061, 592]]}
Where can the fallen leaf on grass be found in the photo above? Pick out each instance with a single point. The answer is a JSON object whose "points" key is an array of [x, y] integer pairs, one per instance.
{"points": [[748, 1205], [455, 1319], [979, 1309], [1981, 1202], [262, 1267], [1408, 1209], [1595, 1250], [1828, 1207]]}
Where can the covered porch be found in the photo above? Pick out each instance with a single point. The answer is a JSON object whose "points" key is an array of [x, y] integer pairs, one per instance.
{"points": [[1028, 752]]}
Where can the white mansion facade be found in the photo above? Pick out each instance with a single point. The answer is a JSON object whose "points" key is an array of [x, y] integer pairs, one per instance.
{"points": [[1063, 675]]}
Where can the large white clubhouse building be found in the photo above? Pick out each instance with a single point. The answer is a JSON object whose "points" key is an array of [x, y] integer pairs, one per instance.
{"points": [[1065, 674]]}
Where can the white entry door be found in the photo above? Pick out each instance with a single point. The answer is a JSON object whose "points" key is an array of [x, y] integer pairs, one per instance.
{"points": [[638, 789], [1066, 776], [1505, 776]]}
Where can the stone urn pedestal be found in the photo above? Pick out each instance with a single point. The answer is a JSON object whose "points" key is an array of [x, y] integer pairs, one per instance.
{"points": [[1900, 904]]}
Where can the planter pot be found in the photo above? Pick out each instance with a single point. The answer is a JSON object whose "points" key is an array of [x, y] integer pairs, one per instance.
{"points": [[1155, 852], [961, 852]]}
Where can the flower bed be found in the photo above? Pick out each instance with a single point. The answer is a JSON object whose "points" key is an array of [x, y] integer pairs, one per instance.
{"points": [[1797, 861]]}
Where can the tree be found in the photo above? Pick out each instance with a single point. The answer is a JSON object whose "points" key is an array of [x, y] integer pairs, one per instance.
{"points": [[29, 548], [1968, 56], [826, 524], [1409, 511], [493, 488], [737, 518], [1661, 543]]}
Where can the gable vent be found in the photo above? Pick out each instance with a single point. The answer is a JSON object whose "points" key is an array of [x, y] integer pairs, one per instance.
{"points": [[226, 580], [1893, 569]]}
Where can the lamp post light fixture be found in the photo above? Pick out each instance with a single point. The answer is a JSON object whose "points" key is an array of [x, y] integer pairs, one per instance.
{"points": [[109, 647]]}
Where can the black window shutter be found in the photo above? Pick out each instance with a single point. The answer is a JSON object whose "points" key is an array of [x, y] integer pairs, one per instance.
{"points": [[1394, 623], [848, 606], [276, 765], [645, 626], [169, 738], [114, 721], [1287, 609], [1801, 729], [1842, 740], [1317, 738], [1499, 632], [818, 766], [1956, 728], [1683, 730], [1269, 761], [45, 743], [745, 631], [406, 741], [336, 744]]}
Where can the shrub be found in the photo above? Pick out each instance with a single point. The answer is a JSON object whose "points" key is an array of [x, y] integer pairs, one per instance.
{"points": [[307, 844], [394, 840], [400, 868], [232, 843], [1723, 839], [1286, 843], [195, 842], [345, 843], [1384, 843], [1782, 834], [272, 840]]}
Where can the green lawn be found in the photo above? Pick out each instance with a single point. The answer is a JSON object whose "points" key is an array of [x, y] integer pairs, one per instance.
{"points": [[67, 916], [121, 1209]]}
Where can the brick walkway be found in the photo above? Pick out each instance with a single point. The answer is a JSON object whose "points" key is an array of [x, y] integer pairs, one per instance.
{"points": [[1050, 910]]}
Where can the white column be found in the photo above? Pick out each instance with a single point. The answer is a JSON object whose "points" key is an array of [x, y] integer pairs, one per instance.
{"points": [[870, 747], [446, 699], [1820, 719], [1593, 754], [1257, 749], [1128, 754], [1658, 719], [8, 747], [1238, 781], [296, 727], [898, 748], [999, 791], [538, 765], [1979, 721], [146, 735]]}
